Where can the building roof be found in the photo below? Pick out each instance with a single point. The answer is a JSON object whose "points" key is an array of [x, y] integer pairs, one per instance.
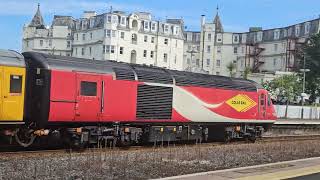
{"points": [[217, 22], [37, 20]]}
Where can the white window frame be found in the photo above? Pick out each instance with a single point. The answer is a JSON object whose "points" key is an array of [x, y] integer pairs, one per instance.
{"points": [[146, 25], [152, 39], [165, 57], [151, 54], [109, 18], [166, 28], [153, 26], [108, 33], [123, 21], [166, 41], [122, 34], [145, 38], [121, 50], [144, 53], [276, 34]]}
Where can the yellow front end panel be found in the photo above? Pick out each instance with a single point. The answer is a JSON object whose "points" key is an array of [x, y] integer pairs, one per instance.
{"points": [[12, 81]]}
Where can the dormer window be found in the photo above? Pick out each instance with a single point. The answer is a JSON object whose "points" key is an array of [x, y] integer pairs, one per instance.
{"points": [[166, 28], [109, 18], [153, 26], [297, 30], [176, 30], [276, 34], [146, 25], [115, 19], [307, 28], [123, 20]]}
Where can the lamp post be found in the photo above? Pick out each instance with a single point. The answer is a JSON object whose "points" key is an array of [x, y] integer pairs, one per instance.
{"points": [[303, 94]]}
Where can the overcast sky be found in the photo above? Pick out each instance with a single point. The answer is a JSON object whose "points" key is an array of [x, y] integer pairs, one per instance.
{"points": [[236, 15]]}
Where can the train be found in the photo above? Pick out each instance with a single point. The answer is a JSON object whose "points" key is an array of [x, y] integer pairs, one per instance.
{"points": [[83, 102]]}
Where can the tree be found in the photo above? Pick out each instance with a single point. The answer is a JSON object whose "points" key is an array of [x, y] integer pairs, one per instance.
{"points": [[286, 88], [311, 51], [231, 67]]}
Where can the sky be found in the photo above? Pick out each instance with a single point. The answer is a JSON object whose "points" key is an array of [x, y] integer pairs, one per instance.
{"points": [[236, 15]]}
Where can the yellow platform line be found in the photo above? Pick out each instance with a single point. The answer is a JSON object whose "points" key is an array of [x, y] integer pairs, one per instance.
{"points": [[284, 174]]}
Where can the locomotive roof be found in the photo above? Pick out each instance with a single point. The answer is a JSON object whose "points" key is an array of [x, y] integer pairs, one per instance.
{"points": [[126, 71], [11, 58]]}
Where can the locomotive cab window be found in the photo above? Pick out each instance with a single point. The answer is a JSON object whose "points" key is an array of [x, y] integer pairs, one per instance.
{"points": [[88, 88], [15, 84]]}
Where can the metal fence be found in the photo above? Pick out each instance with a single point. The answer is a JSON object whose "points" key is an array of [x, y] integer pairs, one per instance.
{"points": [[295, 112]]}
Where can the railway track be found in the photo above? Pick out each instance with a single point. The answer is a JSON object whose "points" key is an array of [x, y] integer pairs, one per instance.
{"points": [[57, 152]]}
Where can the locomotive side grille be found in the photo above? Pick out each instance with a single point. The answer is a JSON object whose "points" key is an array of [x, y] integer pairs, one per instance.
{"points": [[154, 74], [154, 102], [203, 80], [124, 74]]}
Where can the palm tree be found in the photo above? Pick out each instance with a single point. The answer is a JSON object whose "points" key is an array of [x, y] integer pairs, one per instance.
{"points": [[231, 67]]}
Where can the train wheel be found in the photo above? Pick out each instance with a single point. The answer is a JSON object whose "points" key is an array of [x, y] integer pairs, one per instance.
{"points": [[24, 137]]}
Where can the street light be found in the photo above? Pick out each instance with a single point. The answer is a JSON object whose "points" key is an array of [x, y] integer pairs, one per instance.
{"points": [[303, 94]]}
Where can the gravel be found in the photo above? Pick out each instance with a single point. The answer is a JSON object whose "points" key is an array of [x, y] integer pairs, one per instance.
{"points": [[150, 163]]}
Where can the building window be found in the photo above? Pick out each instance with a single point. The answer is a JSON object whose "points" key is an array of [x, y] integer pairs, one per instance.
{"points": [[113, 33], [90, 50], [274, 62], [144, 53], [123, 20], [235, 38], [166, 41], [276, 34], [198, 62], [152, 39], [82, 51], [176, 43], [91, 35], [145, 39], [134, 38], [146, 25], [108, 33], [166, 28], [208, 49], [107, 48], [275, 47], [115, 19], [208, 62], [76, 51], [151, 54], [88, 88], [235, 50], [209, 37], [188, 60], [218, 73], [297, 31], [175, 59], [77, 35], [103, 49], [111, 49], [122, 35], [83, 37], [219, 49], [219, 37], [68, 44], [242, 50], [307, 28], [153, 26], [41, 42], [218, 62], [165, 57], [109, 18], [198, 48], [259, 36], [50, 42], [121, 50], [176, 30]]}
